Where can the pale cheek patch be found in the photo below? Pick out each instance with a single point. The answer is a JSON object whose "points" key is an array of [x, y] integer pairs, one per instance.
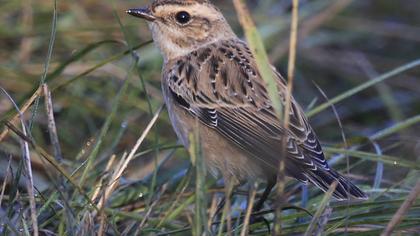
{"points": [[162, 36]]}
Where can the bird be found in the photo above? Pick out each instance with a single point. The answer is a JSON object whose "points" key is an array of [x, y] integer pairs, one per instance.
{"points": [[210, 82]]}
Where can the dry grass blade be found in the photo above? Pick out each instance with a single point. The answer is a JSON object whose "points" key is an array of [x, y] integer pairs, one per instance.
{"points": [[324, 203], [102, 213], [212, 211], [38, 92], [172, 209], [47, 61], [342, 44], [286, 119], [51, 123], [50, 160], [105, 129], [108, 168], [23, 109], [27, 161], [226, 215], [7, 174], [113, 183], [257, 47], [397, 218], [292, 61], [150, 210], [252, 193]]}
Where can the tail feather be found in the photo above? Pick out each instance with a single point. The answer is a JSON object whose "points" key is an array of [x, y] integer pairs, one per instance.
{"points": [[345, 188]]}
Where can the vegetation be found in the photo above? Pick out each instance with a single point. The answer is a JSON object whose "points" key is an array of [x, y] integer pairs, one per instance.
{"points": [[86, 146]]}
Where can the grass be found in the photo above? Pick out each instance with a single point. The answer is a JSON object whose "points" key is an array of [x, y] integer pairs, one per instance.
{"points": [[104, 158]]}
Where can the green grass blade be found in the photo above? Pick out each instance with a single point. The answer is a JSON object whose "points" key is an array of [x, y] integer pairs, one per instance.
{"points": [[78, 56], [390, 160], [322, 206], [200, 182], [256, 45], [104, 130], [47, 62], [363, 86], [396, 128], [102, 63]]}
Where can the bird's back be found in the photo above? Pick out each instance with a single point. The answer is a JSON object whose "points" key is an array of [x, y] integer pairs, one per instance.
{"points": [[219, 85]]}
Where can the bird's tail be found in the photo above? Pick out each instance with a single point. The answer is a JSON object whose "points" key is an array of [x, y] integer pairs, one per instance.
{"points": [[345, 188]]}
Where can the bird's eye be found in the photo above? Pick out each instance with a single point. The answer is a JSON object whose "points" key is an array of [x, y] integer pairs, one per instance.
{"points": [[183, 17]]}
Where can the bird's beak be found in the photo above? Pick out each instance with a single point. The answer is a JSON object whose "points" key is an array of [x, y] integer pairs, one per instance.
{"points": [[144, 13]]}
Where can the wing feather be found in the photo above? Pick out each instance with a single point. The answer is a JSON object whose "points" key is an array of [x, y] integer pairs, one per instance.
{"points": [[219, 85]]}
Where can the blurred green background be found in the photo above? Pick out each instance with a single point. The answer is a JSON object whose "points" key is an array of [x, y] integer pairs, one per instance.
{"points": [[342, 44]]}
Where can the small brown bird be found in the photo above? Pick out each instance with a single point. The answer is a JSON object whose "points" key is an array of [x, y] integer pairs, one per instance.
{"points": [[210, 74]]}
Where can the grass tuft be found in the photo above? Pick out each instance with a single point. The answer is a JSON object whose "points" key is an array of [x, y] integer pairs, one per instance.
{"points": [[100, 156]]}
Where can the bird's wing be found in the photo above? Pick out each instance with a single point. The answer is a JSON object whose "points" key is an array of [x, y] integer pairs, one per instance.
{"points": [[220, 85]]}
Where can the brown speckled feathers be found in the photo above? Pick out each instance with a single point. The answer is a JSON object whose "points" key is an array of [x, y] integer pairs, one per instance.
{"points": [[210, 76], [219, 85]]}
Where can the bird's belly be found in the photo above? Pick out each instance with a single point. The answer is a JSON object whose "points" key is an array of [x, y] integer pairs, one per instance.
{"points": [[222, 157]]}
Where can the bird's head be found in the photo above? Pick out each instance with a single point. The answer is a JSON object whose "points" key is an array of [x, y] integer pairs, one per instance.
{"points": [[182, 26]]}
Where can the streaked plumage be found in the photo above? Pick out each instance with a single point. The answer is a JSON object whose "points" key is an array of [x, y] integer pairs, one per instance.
{"points": [[209, 74]]}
